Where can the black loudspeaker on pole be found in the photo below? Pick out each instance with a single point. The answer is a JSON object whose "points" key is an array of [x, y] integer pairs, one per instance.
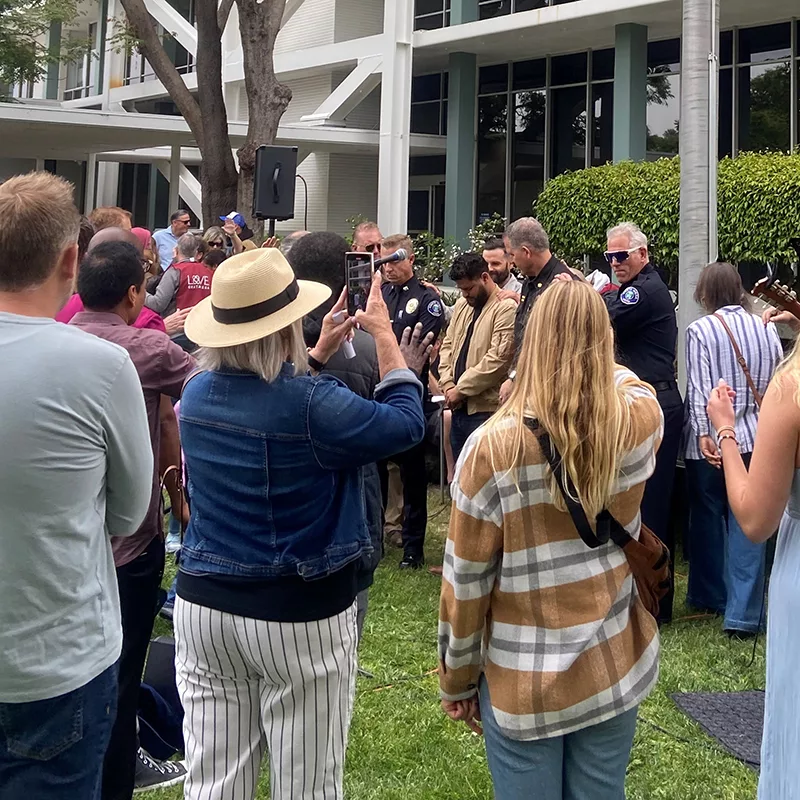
{"points": [[274, 183]]}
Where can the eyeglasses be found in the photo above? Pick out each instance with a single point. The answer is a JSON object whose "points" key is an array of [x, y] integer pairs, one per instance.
{"points": [[184, 221], [215, 244], [620, 256], [372, 248]]}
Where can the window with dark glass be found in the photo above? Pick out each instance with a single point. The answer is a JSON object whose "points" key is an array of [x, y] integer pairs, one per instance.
{"points": [[602, 124], [603, 65], [493, 79], [428, 111], [528, 143], [765, 106], [431, 14], [664, 56], [530, 5], [725, 113], [493, 8], [529, 74], [492, 136], [726, 48], [568, 69], [418, 210], [766, 43], [568, 129]]}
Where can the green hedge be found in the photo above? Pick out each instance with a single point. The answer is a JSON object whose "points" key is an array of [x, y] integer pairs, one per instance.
{"points": [[759, 207]]}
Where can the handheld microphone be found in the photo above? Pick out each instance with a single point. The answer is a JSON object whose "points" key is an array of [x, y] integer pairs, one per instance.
{"points": [[347, 346], [399, 255]]}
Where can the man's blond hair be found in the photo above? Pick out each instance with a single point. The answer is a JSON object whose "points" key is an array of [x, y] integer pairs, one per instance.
{"points": [[38, 220], [397, 241], [110, 217]]}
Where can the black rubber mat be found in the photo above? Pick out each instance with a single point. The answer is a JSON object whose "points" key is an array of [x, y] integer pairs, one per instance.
{"points": [[734, 719]]}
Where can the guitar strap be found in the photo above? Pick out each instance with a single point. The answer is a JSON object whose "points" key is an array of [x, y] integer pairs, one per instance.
{"points": [[742, 362]]}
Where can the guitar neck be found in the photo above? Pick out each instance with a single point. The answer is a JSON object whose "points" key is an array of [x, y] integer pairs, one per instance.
{"points": [[777, 295]]}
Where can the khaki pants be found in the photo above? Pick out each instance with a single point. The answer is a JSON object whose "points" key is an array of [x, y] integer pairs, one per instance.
{"points": [[393, 518]]}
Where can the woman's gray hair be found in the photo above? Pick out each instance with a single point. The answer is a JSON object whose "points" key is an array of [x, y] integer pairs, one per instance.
{"points": [[528, 232], [264, 356], [636, 237]]}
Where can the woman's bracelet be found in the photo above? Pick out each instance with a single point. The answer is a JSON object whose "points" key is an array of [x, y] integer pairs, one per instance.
{"points": [[724, 436], [726, 428]]}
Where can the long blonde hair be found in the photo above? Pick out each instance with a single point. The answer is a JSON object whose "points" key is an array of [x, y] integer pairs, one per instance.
{"points": [[565, 379], [787, 375]]}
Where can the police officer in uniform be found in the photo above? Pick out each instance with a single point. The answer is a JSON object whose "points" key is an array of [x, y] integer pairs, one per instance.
{"points": [[643, 316], [528, 246], [409, 302]]}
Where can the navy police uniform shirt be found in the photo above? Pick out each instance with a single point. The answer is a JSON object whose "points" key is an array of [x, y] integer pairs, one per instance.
{"points": [[412, 303], [643, 316]]}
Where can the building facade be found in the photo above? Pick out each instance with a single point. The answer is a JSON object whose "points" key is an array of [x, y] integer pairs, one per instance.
{"points": [[424, 114]]}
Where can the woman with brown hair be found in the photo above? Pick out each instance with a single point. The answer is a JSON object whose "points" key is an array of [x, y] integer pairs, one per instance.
{"points": [[726, 570], [544, 639]]}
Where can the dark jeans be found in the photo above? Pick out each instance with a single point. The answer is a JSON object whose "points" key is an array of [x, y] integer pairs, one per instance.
{"points": [[657, 500], [53, 749], [139, 582], [413, 473], [462, 426], [726, 570]]}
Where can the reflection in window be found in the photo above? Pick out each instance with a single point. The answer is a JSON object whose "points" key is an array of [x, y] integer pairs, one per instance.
{"points": [[764, 107], [568, 129], [528, 153], [493, 8], [767, 43], [663, 113], [602, 124], [492, 130]]}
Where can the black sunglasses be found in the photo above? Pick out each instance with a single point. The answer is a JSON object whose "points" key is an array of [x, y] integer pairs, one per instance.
{"points": [[215, 244]]}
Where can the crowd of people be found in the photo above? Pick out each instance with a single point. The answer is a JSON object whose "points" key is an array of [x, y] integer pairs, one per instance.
{"points": [[291, 462]]}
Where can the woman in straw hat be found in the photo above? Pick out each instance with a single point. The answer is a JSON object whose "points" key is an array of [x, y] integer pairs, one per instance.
{"points": [[265, 617]]}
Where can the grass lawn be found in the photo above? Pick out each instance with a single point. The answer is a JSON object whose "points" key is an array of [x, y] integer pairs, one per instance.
{"points": [[402, 747]]}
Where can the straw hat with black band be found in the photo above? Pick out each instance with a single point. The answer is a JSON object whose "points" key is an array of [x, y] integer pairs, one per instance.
{"points": [[253, 294]]}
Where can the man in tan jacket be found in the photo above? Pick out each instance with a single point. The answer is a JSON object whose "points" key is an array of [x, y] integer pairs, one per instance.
{"points": [[477, 350]]}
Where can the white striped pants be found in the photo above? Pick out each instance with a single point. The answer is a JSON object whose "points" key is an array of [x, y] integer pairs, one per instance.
{"points": [[247, 685]]}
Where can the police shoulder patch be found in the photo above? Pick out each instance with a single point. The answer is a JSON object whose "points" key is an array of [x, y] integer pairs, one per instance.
{"points": [[435, 308], [629, 296]]}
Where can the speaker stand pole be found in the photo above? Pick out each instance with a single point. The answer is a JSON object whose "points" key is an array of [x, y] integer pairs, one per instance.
{"points": [[272, 228]]}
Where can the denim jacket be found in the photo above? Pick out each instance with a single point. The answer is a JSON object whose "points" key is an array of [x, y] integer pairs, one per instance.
{"points": [[275, 469]]}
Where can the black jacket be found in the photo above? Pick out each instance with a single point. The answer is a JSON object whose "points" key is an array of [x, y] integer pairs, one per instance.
{"points": [[361, 375]]}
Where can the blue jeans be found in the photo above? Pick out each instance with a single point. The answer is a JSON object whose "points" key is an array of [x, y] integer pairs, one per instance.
{"points": [[53, 749], [726, 569], [589, 764], [463, 426]]}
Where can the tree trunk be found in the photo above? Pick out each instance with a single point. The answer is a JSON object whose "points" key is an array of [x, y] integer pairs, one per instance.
{"points": [[267, 98], [205, 115], [218, 176]]}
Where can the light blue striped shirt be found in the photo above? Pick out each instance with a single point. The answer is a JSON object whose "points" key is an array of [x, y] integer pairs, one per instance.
{"points": [[710, 356]]}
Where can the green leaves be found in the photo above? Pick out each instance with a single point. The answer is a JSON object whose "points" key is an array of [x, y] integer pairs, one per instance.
{"points": [[759, 207]]}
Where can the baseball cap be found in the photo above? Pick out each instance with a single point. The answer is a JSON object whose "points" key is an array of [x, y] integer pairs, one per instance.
{"points": [[235, 217]]}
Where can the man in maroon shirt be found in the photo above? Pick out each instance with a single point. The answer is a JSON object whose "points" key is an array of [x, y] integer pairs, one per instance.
{"points": [[111, 284]]}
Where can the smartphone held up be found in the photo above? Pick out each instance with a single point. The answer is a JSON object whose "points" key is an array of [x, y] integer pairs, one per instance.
{"points": [[358, 271]]}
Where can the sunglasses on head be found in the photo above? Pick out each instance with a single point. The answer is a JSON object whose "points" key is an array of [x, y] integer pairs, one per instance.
{"points": [[620, 256]]}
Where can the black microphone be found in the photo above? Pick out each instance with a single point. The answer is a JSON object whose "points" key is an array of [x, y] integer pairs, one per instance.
{"points": [[399, 255]]}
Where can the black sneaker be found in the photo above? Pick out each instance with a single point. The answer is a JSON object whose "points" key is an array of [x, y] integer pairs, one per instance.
{"points": [[154, 774], [412, 562]]}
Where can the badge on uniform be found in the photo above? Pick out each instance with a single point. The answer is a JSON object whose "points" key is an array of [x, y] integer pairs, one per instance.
{"points": [[412, 305], [435, 308], [629, 296]]}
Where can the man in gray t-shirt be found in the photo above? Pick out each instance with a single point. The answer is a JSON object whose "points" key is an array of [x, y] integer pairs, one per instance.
{"points": [[76, 468]]}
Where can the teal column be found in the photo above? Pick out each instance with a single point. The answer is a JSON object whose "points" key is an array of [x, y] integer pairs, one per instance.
{"points": [[463, 11], [54, 48], [460, 170], [630, 93]]}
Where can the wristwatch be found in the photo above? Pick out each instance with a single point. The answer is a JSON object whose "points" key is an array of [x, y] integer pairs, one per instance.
{"points": [[512, 376], [315, 364]]}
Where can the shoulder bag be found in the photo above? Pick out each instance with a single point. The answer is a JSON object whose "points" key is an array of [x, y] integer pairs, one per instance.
{"points": [[648, 557]]}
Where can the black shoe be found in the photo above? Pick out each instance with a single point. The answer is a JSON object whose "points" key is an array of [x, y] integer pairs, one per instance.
{"points": [[412, 562], [740, 636], [154, 774]]}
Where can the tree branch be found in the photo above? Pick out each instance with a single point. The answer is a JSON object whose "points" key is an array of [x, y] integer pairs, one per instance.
{"points": [[153, 50], [223, 13]]}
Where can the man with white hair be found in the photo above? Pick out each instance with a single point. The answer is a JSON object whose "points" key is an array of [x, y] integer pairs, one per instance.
{"points": [[643, 316]]}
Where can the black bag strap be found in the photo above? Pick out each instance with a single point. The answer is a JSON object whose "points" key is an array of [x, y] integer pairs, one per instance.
{"points": [[606, 525]]}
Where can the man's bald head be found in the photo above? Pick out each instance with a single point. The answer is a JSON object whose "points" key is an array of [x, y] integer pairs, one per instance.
{"points": [[116, 235]]}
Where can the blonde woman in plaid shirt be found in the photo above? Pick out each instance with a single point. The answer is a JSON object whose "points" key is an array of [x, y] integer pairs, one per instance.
{"points": [[542, 638]]}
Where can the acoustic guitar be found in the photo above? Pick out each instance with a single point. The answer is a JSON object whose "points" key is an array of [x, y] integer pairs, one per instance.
{"points": [[778, 294]]}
